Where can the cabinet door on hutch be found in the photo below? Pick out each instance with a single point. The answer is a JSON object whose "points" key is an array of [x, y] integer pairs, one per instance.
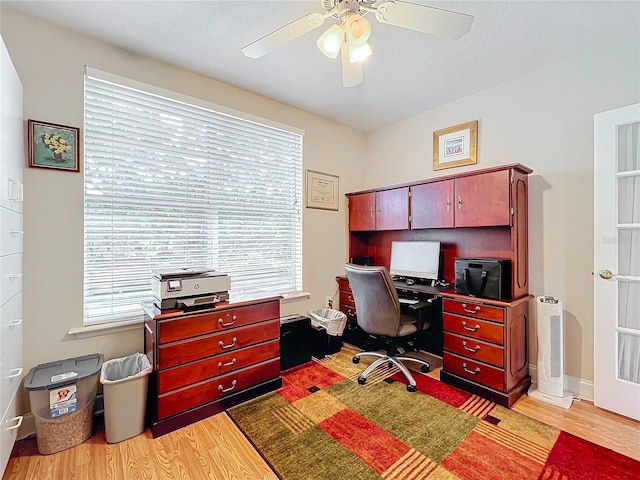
{"points": [[392, 209], [362, 209], [483, 200], [432, 205], [382, 210]]}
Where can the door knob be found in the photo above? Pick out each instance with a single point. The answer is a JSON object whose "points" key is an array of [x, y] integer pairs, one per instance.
{"points": [[607, 274]]}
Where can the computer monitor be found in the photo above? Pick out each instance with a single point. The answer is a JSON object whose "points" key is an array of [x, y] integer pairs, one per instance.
{"points": [[416, 260]]}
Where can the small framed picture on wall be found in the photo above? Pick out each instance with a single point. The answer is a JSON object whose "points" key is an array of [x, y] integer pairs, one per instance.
{"points": [[53, 146], [455, 146], [322, 190]]}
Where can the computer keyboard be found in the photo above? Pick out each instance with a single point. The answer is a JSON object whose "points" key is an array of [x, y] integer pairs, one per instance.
{"points": [[408, 301]]}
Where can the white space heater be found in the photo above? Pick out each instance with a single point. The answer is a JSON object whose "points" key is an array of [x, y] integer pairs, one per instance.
{"points": [[550, 332]]}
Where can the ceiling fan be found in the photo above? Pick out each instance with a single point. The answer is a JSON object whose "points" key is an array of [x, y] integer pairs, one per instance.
{"points": [[350, 34]]}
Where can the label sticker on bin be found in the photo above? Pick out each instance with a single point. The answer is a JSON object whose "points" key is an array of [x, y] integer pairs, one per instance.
{"points": [[63, 401], [63, 376]]}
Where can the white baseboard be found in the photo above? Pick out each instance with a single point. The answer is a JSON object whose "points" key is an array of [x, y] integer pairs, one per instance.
{"points": [[576, 386]]}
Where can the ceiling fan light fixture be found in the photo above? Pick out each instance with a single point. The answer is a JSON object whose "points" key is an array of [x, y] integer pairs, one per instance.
{"points": [[331, 41], [359, 53], [358, 29]]}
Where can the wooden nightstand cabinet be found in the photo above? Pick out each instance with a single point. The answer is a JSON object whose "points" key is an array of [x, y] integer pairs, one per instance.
{"points": [[486, 347], [206, 361], [347, 303]]}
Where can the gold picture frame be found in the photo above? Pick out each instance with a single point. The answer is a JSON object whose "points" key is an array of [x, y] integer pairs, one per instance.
{"points": [[455, 146], [322, 190]]}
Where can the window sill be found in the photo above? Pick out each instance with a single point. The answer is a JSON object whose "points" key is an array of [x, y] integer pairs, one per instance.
{"points": [[105, 329], [295, 297]]}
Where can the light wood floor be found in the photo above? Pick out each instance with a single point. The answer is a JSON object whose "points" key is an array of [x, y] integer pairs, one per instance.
{"points": [[215, 449]]}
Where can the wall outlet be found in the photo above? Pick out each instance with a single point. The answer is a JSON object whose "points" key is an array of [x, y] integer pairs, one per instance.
{"points": [[328, 301]]}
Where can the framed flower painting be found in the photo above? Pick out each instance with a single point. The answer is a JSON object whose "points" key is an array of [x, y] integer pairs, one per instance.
{"points": [[54, 146]]}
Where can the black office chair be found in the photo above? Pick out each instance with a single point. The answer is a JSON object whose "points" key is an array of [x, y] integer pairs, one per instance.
{"points": [[378, 313]]}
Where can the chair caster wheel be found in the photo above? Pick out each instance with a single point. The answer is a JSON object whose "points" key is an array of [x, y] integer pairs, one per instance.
{"points": [[362, 380], [425, 369], [411, 388], [355, 359]]}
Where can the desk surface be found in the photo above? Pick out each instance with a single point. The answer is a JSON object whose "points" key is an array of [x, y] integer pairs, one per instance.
{"points": [[421, 288]]}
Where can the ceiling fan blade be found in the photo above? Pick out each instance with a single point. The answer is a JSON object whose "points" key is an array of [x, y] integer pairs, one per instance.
{"points": [[283, 35], [351, 72], [421, 18]]}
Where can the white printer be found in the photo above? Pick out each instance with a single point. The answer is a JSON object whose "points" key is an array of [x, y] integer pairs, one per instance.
{"points": [[189, 287]]}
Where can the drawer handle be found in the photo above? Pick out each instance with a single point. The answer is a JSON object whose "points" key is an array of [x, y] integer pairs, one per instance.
{"points": [[15, 190], [351, 313], [351, 298], [475, 310], [18, 421], [15, 276], [18, 372], [474, 350], [222, 324], [15, 323], [474, 329], [228, 364], [472, 372], [233, 343], [16, 232], [225, 390]]}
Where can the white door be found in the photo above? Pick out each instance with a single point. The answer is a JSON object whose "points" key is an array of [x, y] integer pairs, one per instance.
{"points": [[617, 261]]}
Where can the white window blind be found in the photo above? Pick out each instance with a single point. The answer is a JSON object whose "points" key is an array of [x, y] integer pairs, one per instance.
{"points": [[172, 184]]}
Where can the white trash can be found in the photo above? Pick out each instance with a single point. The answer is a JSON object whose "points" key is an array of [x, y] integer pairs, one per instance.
{"points": [[124, 385]]}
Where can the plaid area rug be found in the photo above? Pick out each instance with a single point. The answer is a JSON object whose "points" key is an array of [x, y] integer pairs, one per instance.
{"points": [[323, 425]]}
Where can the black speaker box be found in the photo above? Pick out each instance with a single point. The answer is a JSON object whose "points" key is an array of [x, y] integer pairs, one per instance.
{"points": [[367, 261]]}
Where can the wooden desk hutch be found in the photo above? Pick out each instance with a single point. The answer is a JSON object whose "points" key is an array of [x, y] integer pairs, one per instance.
{"points": [[479, 214]]}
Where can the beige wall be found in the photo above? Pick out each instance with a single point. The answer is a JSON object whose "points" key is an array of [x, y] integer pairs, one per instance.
{"points": [[53, 225], [544, 121]]}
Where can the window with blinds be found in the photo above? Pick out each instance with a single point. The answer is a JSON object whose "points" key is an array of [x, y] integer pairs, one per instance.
{"points": [[173, 184]]}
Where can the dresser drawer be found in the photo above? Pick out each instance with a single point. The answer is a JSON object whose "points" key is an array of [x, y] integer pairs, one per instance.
{"points": [[11, 366], [481, 373], [474, 349], [476, 310], [11, 327], [210, 367], [346, 299], [350, 312], [11, 232], [474, 328], [10, 276], [204, 346], [9, 426], [343, 284], [194, 325], [216, 388]]}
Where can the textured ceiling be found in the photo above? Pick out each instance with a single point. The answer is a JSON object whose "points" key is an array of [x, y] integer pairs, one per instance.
{"points": [[409, 72]]}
